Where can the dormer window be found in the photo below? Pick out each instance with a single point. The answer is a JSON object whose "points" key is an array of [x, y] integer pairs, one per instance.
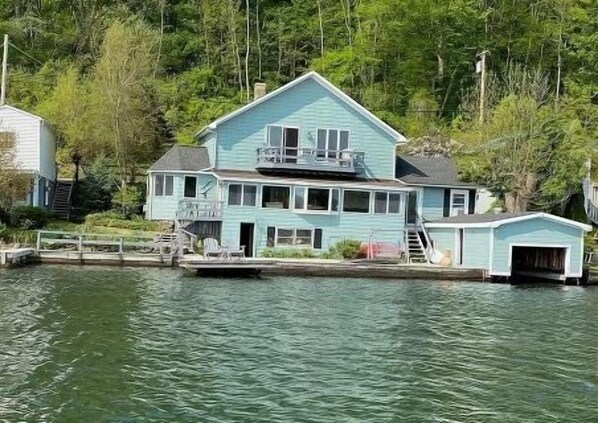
{"points": [[331, 142]]}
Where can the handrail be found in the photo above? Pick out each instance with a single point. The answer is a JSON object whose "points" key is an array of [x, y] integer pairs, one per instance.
{"points": [[282, 154], [199, 208], [429, 248]]}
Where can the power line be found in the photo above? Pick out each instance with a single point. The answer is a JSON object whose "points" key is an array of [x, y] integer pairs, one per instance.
{"points": [[26, 54]]}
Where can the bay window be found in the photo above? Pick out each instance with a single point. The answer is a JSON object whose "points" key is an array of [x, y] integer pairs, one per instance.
{"points": [[316, 199], [356, 201], [275, 197]]}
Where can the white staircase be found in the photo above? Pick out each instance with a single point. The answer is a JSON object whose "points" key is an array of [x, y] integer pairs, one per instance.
{"points": [[590, 200], [416, 252]]}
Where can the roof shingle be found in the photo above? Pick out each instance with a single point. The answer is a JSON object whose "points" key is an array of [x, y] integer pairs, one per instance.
{"points": [[183, 157], [439, 171]]}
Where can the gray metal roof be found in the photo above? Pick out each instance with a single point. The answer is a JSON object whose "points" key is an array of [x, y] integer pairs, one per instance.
{"points": [[183, 157], [439, 171], [244, 174], [481, 218]]}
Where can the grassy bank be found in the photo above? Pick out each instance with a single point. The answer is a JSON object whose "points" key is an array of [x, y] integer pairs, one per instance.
{"points": [[29, 236]]}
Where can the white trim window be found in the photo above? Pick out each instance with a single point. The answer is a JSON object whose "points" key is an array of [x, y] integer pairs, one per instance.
{"points": [[459, 202], [316, 200], [387, 203], [163, 185], [242, 195], [294, 237], [355, 201], [330, 143], [276, 196]]}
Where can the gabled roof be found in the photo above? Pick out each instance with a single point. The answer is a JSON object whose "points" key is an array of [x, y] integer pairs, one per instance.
{"points": [[6, 106], [434, 171], [183, 158], [324, 83], [490, 220]]}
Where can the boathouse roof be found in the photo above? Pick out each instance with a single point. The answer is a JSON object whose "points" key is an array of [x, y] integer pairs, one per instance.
{"points": [[435, 171], [490, 220], [183, 158]]}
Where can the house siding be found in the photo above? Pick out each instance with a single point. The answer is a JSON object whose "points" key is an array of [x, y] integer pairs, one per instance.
{"points": [[433, 203], [444, 239], [209, 142], [47, 164], [476, 248], [165, 207], [308, 106], [537, 232], [27, 134], [335, 226]]}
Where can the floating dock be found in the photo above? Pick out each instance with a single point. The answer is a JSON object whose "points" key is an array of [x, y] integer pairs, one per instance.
{"points": [[15, 256]]}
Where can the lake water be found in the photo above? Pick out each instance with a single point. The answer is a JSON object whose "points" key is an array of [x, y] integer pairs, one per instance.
{"points": [[130, 345]]}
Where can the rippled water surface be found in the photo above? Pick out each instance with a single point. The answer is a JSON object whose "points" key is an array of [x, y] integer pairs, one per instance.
{"points": [[93, 345]]}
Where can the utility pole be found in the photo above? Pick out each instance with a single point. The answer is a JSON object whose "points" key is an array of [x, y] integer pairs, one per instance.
{"points": [[481, 68], [4, 71]]}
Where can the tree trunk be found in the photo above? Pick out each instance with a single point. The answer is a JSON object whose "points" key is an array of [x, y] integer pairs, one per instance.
{"points": [[247, 47]]}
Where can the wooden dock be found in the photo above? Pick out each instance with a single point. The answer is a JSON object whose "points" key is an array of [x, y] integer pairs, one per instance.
{"points": [[15, 256]]}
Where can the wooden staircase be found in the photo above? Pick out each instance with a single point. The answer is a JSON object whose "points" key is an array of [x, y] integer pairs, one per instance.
{"points": [[61, 204], [415, 247]]}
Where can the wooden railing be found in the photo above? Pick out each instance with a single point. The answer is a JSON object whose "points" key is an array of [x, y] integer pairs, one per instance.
{"points": [[310, 157], [158, 245], [199, 210]]}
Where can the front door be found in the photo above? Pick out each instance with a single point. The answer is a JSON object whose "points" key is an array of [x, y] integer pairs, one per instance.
{"points": [[291, 144], [411, 212], [246, 238]]}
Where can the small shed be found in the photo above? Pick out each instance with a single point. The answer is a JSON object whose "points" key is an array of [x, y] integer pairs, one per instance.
{"points": [[528, 244]]}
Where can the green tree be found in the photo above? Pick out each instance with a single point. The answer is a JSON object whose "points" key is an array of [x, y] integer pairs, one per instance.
{"points": [[14, 184], [120, 91]]}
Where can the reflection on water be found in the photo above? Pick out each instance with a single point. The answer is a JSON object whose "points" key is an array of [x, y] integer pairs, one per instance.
{"points": [[128, 345]]}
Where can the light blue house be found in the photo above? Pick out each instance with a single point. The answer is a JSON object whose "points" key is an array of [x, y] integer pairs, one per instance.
{"points": [[525, 244], [303, 166]]}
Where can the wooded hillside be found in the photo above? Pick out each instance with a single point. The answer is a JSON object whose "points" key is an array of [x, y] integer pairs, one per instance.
{"points": [[128, 75]]}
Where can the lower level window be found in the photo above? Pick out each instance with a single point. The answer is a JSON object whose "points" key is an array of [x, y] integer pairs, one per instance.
{"points": [[294, 237]]}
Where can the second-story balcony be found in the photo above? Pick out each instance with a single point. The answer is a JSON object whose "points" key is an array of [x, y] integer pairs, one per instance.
{"points": [[309, 161], [197, 210]]}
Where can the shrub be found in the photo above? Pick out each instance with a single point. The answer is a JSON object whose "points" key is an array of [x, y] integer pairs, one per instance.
{"points": [[296, 253], [28, 217], [128, 200], [349, 249], [112, 219], [93, 193]]}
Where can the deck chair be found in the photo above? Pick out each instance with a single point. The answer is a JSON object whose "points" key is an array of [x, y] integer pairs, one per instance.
{"points": [[211, 248], [235, 250]]}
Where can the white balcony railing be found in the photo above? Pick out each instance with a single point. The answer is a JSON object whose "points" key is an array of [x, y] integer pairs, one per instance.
{"points": [[309, 159], [199, 210]]}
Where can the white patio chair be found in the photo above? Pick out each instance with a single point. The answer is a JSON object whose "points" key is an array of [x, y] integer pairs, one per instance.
{"points": [[211, 248]]}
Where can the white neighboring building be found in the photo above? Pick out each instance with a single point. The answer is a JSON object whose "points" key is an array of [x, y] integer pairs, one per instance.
{"points": [[484, 201], [35, 151]]}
